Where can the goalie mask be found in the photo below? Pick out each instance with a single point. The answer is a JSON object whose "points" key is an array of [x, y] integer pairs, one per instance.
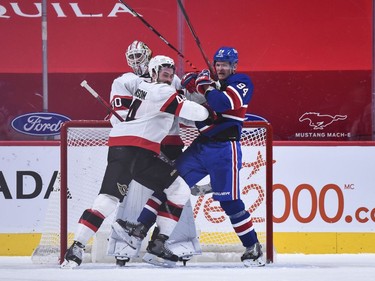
{"points": [[138, 56], [157, 62]]}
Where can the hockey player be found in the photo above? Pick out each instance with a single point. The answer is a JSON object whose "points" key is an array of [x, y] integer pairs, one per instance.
{"points": [[217, 150], [133, 152], [138, 55]]}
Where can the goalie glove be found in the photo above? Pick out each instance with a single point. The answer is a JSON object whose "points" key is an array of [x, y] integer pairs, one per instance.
{"points": [[204, 82], [188, 81]]}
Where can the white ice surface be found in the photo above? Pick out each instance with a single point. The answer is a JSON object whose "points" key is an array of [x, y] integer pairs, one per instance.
{"points": [[340, 267]]}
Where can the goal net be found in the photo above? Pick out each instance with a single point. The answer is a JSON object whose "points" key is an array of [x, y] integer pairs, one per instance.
{"points": [[83, 162]]}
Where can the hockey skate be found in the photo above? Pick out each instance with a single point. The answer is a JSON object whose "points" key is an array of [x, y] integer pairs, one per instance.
{"points": [[159, 254], [253, 256], [131, 233], [121, 261], [73, 256]]}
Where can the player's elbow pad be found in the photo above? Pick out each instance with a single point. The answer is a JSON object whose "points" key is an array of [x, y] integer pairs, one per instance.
{"points": [[193, 111]]}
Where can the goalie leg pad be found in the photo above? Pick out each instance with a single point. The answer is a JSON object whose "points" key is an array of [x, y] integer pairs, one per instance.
{"points": [[178, 192], [123, 234], [184, 240], [128, 210], [185, 229], [185, 249], [119, 248], [167, 218]]}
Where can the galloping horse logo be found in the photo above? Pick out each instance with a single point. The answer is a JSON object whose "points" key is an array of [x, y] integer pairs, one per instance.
{"points": [[319, 121]]}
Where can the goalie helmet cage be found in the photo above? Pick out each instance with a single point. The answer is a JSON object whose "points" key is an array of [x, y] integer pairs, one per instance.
{"points": [[83, 162]]}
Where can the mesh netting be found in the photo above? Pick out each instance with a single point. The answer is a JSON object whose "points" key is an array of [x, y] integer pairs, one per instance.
{"points": [[86, 162]]}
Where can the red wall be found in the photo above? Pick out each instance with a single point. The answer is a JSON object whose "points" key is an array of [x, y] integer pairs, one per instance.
{"points": [[303, 56]]}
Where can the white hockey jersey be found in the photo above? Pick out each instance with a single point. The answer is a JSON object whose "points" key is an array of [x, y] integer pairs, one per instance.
{"points": [[122, 90], [124, 86], [151, 115]]}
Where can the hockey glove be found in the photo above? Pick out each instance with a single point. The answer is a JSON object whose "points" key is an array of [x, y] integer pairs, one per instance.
{"points": [[212, 116], [203, 82], [188, 81]]}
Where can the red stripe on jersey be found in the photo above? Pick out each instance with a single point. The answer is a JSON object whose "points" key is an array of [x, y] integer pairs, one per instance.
{"points": [[238, 113], [134, 141], [172, 140], [235, 171], [234, 96], [174, 104]]}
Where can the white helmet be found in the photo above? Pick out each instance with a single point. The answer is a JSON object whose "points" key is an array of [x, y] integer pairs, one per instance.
{"points": [[138, 56], [159, 61]]}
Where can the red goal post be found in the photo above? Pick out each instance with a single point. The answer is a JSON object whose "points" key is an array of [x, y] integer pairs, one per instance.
{"points": [[83, 157]]}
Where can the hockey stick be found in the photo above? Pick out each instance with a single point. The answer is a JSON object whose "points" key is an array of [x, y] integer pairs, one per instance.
{"points": [[101, 100], [212, 70], [158, 34]]}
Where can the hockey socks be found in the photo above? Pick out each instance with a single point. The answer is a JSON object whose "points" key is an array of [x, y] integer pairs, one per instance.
{"points": [[148, 215], [241, 221]]}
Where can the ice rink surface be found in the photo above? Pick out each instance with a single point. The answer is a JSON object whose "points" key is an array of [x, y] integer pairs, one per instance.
{"points": [[342, 267]]}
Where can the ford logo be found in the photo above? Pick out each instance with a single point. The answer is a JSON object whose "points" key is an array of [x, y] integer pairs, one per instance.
{"points": [[39, 123]]}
